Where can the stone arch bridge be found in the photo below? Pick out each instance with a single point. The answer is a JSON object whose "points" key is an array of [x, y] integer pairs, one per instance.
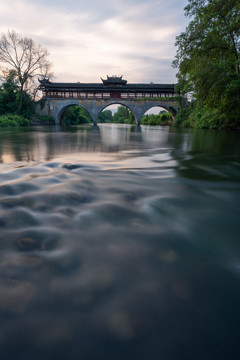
{"points": [[138, 98], [55, 107]]}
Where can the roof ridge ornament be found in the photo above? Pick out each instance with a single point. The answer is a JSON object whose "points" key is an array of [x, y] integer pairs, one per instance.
{"points": [[114, 80], [44, 81]]}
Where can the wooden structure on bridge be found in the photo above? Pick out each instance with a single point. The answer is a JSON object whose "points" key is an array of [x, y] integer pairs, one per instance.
{"points": [[113, 87]]}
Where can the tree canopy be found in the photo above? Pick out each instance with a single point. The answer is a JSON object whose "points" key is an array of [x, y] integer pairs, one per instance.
{"points": [[123, 115], [10, 94], [76, 115], [105, 117], [25, 57], [207, 58]]}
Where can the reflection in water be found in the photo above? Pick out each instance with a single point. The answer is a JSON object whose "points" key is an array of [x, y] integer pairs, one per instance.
{"points": [[119, 242], [47, 143], [39, 145]]}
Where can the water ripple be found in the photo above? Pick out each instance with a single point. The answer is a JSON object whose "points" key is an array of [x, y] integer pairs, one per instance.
{"points": [[122, 248]]}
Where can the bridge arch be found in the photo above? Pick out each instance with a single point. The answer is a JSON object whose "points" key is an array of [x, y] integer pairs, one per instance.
{"points": [[138, 107], [122, 103], [63, 106], [172, 111]]}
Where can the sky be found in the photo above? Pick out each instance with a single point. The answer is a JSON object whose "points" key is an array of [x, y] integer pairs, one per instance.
{"points": [[91, 39]]}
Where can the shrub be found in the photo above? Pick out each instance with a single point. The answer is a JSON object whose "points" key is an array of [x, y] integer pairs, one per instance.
{"points": [[161, 119], [12, 120]]}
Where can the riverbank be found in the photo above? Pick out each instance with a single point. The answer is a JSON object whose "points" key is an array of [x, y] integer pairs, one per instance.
{"points": [[185, 119]]}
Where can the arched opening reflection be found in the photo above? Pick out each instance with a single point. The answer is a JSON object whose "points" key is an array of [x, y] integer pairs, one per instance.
{"points": [[75, 115], [157, 115]]}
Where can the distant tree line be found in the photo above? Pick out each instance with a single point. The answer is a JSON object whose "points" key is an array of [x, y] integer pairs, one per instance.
{"points": [[163, 118], [76, 115]]}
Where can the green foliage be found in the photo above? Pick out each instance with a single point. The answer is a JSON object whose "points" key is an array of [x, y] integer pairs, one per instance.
{"points": [[122, 115], [182, 119], [130, 120], [207, 119], [208, 63], [28, 105], [8, 94], [105, 117], [120, 120], [12, 120], [161, 119], [173, 110], [9, 97], [76, 115]]}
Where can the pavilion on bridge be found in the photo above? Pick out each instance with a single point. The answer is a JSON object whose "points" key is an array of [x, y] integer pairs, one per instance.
{"points": [[114, 87]]}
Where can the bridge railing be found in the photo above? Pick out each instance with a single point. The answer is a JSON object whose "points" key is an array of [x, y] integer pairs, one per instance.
{"points": [[108, 96]]}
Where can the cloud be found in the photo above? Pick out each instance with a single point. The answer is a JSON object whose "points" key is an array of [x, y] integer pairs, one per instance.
{"points": [[134, 38]]}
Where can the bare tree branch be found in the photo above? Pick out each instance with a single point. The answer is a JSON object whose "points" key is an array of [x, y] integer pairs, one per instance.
{"points": [[25, 57]]}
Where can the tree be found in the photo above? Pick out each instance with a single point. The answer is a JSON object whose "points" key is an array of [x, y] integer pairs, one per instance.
{"points": [[105, 116], [122, 114], [77, 115], [208, 59], [10, 94], [25, 57]]}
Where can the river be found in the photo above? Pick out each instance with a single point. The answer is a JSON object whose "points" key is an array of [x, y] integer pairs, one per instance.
{"points": [[119, 242]]}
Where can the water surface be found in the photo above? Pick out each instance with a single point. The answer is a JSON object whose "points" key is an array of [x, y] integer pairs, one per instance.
{"points": [[119, 242]]}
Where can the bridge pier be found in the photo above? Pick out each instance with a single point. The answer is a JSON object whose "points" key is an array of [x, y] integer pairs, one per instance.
{"points": [[138, 112], [94, 115], [138, 119]]}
